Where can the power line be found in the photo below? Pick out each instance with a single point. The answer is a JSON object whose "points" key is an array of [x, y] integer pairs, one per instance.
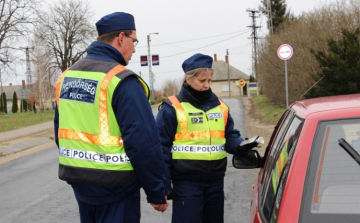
{"points": [[240, 51], [208, 37], [179, 70], [200, 47], [205, 45]]}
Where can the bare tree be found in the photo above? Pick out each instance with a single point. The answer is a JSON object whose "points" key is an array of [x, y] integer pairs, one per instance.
{"points": [[309, 30], [66, 31], [16, 17], [277, 12], [31, 99], [43, 87], [172, 87]]}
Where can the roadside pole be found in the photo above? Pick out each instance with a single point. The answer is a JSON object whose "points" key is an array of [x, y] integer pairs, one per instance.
{"points": [[241, 84], [285, 52]]}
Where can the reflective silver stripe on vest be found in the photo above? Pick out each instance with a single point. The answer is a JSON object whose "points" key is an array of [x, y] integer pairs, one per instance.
{"points": [[119, 158], [198, 148]]}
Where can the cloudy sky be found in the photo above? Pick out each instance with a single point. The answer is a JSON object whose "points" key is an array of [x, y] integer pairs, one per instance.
{"points": [[187, 27]]}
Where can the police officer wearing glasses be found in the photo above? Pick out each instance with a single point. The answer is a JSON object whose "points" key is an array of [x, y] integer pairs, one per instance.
{"points": [[108, 141], [196, 132]]}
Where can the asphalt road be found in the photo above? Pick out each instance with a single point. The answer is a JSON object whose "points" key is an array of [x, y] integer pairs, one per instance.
{"points": [[31, 191]]}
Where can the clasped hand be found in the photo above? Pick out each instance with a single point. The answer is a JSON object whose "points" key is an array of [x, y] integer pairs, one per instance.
{"points": [[161, 207]]}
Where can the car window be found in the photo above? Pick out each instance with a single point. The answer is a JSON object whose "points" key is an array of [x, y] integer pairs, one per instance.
{"points": [[273, 137], [332, 192], [281, 153], [290, 147], [273, 149]]}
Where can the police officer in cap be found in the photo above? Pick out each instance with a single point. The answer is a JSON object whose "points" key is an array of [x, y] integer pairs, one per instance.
{"points": [[108, 141], [196, 132]]}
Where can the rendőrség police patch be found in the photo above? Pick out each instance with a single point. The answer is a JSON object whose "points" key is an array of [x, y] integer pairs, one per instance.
{"points": [[79, 89]]}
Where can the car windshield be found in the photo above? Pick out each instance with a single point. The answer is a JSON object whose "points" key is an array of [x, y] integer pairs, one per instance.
{"points": [[334, 177]]}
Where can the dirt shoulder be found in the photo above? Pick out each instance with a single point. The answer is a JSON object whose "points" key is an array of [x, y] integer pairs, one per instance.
{"points": [[255, 124]]}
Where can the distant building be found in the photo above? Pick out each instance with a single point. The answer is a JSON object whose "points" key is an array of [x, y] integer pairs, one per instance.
{"points": [[220, 80], [44, 95], [20, 90], [42, 102], [159, 94]]}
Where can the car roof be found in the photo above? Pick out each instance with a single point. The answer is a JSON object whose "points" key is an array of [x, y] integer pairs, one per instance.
{"points": [[306, 107]]}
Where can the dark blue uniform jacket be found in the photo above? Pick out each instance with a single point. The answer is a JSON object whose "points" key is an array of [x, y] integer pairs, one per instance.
{"points": [[167, 124], [139, 133]]}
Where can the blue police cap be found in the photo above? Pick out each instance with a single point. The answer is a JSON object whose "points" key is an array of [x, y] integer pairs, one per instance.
{"points": [[115, 21], [196, 61]]}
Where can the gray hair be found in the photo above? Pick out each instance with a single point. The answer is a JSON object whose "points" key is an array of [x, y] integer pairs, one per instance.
{"points": [[195, 72]]}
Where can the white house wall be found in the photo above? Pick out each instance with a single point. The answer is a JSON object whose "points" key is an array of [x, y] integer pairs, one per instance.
{"points": [[216, 87]]}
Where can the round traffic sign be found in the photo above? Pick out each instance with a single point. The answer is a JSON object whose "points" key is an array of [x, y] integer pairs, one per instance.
{"points": [[241, 83], [285, 52]]}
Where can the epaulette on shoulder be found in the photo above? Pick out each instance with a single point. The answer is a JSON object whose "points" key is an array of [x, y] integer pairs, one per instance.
{"points": [[167, 101]]}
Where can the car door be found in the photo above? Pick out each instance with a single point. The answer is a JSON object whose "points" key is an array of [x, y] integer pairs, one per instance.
{"points": [[277, 167]]}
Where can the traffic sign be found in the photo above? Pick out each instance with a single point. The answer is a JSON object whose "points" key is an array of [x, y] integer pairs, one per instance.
{"points": [[143, 60], [241, 83], [285, 52], [23, 93]]}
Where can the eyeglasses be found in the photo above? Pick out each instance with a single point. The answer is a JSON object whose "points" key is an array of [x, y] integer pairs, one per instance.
{"points": [[134, 40]]}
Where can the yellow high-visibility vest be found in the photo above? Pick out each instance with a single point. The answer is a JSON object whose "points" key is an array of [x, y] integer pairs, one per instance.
{"points": [[91, 149], [199, 142]]}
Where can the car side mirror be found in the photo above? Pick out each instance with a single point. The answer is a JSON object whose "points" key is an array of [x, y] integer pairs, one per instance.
{"points": [[249, 161]]}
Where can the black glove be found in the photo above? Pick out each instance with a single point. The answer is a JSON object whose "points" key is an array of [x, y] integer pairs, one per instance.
{"points": [[242, 149], [262, 162], [169, 195]]}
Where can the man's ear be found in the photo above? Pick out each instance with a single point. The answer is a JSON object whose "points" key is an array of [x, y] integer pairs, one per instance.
{"points": [[120, 38]]}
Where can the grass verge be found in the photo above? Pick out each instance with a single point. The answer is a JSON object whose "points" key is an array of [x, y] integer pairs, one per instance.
{"points": [[18, 120], [270, 112], [9, 122]]}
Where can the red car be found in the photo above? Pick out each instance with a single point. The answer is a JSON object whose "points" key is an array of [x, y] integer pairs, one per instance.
{"points": [[310, 171]]}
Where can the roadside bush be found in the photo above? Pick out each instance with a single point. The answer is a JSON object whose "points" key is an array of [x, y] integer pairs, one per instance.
{"points": [[340, 67], [3, 102], [14, 108], [310, 30]]}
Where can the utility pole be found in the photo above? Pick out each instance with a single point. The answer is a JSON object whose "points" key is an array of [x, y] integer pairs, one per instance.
{"points": [[2, 98], [28, 67], [254, 38], [151, 75], [50, 88], [228, 68], [270, 22]]}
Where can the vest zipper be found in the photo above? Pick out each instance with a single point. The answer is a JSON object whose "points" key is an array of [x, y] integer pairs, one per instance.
{"points": [[209, 167]]}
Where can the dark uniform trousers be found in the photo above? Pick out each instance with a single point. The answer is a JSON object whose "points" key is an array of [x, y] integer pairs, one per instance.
{"points": [[126, 210], [198, 202]]}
